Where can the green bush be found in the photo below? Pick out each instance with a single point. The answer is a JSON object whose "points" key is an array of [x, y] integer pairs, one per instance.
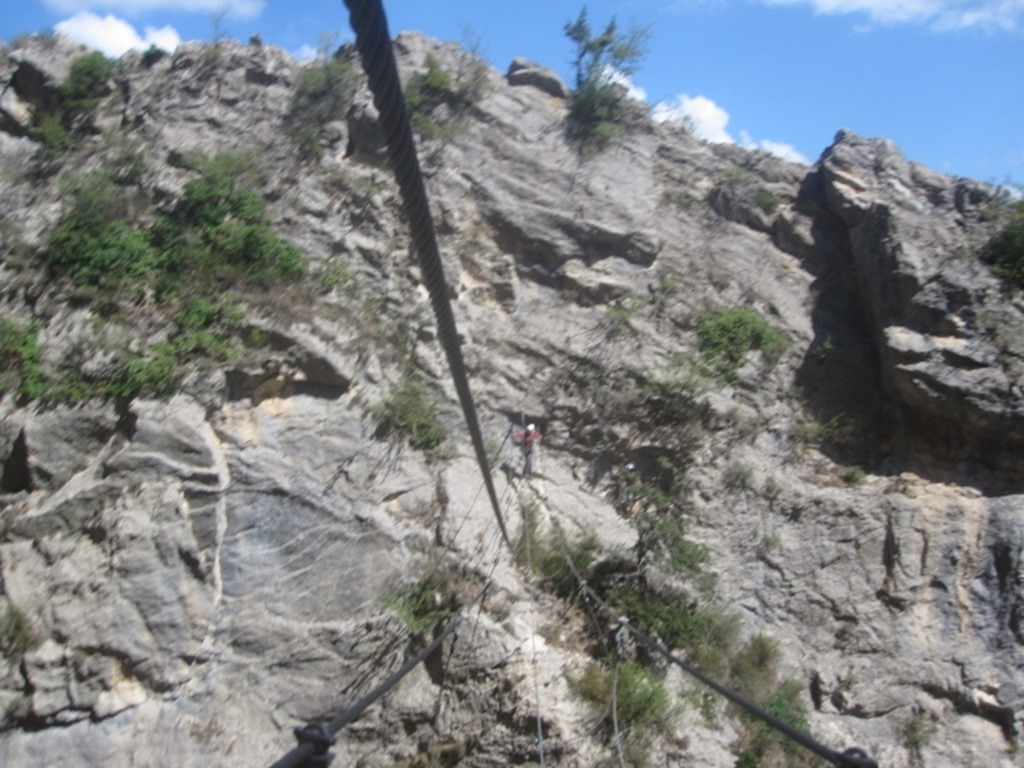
{"points": [[53, 135], [155, 374], [20, 358], [426, 603], [1005, 251], [661, 536], [596, 115], [86, 83], [425, 92], [322, 94], [551, 557], [219, 232], [708, 635], [94, 242], [152, 55], [598, 111], [410, 410], [761, 745], [638, 695], [16, 633], [767, 200], [854, 476], [834, 431], [726, 336], [752, 668], [58, 126]]}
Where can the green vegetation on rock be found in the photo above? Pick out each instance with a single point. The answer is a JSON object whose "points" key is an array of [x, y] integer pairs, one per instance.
{"points": [[58, 128], [322, 94], [410, 410], [599, 110], [1005, 251], [726, 335]]}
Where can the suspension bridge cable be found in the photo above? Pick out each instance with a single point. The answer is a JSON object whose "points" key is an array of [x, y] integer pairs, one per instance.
{"points": [[316, 739], [373, 42], [854, 757]]}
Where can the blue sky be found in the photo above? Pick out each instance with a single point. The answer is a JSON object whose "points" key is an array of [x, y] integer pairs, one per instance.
{"points": [[944, 79]]}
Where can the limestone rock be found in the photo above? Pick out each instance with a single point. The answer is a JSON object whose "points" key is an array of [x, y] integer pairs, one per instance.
{"points": [[185, 580], [525, 72]]}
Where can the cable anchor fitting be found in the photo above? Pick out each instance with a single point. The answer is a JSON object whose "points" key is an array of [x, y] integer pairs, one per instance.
{"points": [[316, 735]]}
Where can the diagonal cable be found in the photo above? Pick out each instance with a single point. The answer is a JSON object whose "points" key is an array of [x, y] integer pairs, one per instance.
{"points": [[374, 44], [854, 757]]}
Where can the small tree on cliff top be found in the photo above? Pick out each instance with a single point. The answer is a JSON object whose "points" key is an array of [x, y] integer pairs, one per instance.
{"points": [[598, 110]]}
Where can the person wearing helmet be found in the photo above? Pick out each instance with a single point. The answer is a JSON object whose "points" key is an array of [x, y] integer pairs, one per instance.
{"points": [[526, 440]]}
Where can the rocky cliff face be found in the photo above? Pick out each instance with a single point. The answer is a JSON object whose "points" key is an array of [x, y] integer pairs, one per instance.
{"points": [[184, 579]]}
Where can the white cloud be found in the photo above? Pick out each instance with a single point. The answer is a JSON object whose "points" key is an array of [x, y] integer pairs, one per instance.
{"points": [[113, 36], [938, 14], [708, 121], [238, 9], [306, 53], [700, 114], [777, 148]]}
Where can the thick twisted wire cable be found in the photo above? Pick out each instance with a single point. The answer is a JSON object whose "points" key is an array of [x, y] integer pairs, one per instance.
{"points": [[374, 44], [301, 753], [854, 757]]}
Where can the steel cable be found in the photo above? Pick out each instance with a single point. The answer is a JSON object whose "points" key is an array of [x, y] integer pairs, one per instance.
{"points": [[855, 757], [316, 739], [374, 45]]}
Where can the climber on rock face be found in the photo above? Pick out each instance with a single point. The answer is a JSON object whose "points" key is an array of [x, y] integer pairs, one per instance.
{"points": [[526, 439]]}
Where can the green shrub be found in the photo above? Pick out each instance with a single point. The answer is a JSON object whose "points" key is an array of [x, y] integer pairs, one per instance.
{"points": [[854, 476], [94, 242], [638, 695], [661, 536], [152, 55], [336, 273], [835, 431], [410, 410], [20, 358], [598, 111], [752, 668], [53, 135], [219, 232], [424, 93], [551, 556], [726, 336], [155, 374], [708, 635], [738, 477], [597, 115], [821, 351], [16, 633], [86, 83], [1005, 251], [618, 318], [322, 94], [762, 745], [916, 733], [426, 603], [767, 200]]}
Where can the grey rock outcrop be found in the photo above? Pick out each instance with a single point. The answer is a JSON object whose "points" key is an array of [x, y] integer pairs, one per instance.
{"points": [[938, 316], [183, 581], [525, 72]]}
